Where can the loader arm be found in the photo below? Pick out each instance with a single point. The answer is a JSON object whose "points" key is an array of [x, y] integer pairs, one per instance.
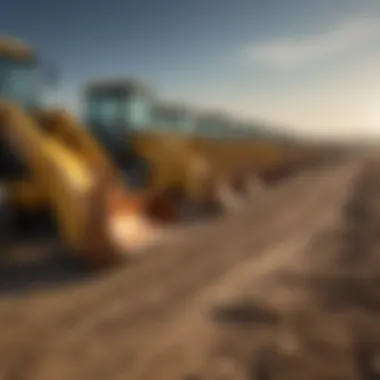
{"points": [[78, 182], [175, 163], [67, 129]]}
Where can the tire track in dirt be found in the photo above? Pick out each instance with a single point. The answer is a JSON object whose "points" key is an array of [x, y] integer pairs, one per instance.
{"points": [[156, 262], [115, 292], [159, 307], [319, 317], [188, 334]]}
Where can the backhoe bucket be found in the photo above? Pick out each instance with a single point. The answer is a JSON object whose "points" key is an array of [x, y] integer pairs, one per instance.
{"points": [[121, 224]]}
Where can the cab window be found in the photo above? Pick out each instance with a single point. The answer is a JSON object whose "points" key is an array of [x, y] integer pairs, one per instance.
{"points": [[18, 82], [139, 112]]}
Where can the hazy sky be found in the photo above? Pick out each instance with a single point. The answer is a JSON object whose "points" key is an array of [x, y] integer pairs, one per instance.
{"points": [[311, 64]]}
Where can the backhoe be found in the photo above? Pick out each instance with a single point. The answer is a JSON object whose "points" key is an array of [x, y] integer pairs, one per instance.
{"points": [[196, 161], [49, 161]]}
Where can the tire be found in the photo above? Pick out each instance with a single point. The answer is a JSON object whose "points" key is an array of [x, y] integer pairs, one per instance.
{"points": [[137, 175], [189, 209]]}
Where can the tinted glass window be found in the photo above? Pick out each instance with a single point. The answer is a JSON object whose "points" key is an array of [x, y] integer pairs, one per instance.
{"points": [[139, 112], [18, 82]]}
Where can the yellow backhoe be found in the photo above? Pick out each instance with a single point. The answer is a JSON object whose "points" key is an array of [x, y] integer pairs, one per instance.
{"points": [[152, 160], [191, 171], [48, 161]]}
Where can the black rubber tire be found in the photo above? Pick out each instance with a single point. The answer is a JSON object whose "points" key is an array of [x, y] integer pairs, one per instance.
{"points": [[192, 210], [137, 174], [189, 209]]}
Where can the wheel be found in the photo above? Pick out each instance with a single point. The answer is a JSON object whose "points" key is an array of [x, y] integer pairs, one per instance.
{"points": [[189, 209], [137, 174]]}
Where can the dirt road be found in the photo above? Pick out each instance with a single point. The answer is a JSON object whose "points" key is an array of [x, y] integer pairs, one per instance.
{"points": [[150, 319], [315, 317]]}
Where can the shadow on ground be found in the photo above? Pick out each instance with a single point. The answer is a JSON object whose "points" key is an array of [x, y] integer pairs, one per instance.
{"points": [[56, 270], [34, 258]]}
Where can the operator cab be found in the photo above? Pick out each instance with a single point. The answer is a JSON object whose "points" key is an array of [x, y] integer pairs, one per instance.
{"points": [[113, 111], [213, 125], [175, 118], [19, 84], [18, 74]]}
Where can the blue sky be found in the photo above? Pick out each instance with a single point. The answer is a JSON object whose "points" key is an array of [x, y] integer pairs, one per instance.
{"points": [[312, 65]]}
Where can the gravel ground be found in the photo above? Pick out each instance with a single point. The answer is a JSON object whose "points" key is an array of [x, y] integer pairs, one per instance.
{"points": [[153, 319], [318, 316]]}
